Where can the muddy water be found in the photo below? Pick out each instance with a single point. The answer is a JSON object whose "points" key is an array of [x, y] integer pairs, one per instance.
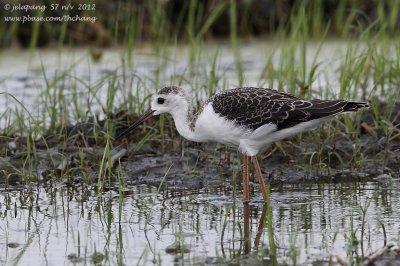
{"points": [[61, 225]]}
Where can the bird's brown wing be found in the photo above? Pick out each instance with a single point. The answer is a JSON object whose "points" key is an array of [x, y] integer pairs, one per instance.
{"points": [[254, 107]]}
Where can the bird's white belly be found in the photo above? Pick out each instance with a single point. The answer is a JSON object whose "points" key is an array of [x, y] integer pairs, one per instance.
{"points": [[212, 127]]}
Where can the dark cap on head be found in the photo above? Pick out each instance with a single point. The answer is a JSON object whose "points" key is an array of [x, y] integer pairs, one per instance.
{"points": [[171, 90]]}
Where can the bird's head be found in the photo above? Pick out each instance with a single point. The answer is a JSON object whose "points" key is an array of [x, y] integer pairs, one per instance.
{"points": [[169, 99]]}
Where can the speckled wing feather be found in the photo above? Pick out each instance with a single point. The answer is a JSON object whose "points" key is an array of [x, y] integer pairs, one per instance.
{"points": [[253, 107]]}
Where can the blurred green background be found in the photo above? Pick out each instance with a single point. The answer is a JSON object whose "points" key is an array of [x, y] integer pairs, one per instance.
{"points": [[128, 22]]}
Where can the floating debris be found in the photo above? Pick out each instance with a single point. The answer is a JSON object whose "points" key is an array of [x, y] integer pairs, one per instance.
{"points": [[177, 248], [74, 258], [13, 245], [97, 257], [387, 255]]}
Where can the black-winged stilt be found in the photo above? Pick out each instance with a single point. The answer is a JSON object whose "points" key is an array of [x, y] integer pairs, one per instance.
{"points": [[248, 118]]}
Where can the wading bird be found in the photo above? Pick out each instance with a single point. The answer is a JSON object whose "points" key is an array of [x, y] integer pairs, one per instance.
{"points": [[247, 118]]}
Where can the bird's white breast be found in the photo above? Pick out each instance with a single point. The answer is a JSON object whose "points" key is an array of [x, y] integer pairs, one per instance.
{"points": [[210, 126]]}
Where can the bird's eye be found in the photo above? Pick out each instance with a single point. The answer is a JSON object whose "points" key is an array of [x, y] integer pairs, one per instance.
{"points": [[160, 100]]}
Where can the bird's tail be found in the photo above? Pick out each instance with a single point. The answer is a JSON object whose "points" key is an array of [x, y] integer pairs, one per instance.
{"points": [[354, 106]]}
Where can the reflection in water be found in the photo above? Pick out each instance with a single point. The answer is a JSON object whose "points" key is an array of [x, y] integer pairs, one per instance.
{"points": [[57, 224], [261, 225], [265, 218]]}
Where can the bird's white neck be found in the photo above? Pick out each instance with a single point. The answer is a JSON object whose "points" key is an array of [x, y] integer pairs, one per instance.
{"points": [[182, 122]]}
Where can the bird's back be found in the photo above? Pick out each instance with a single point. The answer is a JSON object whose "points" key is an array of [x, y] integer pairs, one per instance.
{"points": [[254, 107]]}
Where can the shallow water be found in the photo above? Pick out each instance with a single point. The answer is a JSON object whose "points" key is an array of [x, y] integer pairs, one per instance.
{"points": [[310, 222]]}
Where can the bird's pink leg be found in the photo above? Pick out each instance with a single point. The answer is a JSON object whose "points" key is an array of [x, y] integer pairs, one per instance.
{"points": [[246, 182], [263, 187]]}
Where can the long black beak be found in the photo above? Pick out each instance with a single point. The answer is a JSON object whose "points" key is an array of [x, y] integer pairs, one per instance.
{"points": [[137, 123]]}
